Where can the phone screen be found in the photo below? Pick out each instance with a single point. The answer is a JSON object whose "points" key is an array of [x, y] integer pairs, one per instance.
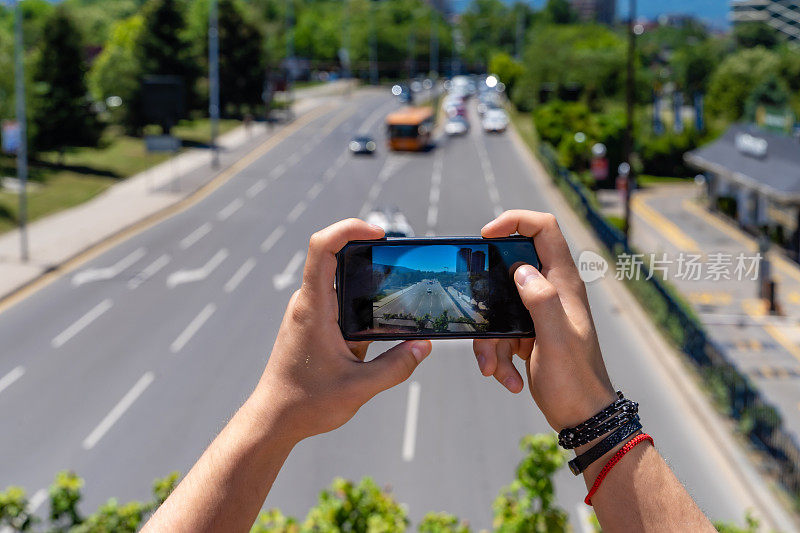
{"points": [[431, 288]]}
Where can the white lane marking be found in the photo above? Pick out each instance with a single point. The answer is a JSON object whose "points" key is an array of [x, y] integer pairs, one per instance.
{"points": [[488, 175], [295, 213], [289, 274], [293, 159], [193, 327], [118, 410], [107, 273], [36, 501], [149, 271], [314, 191], [330, 173], [584, 518], [256, 188], [93, 314], [273, 237], [276, 172], [412, 414], [7, 380], [366, 126], [390, 166], [195, 236], [226, 212], [240, 274], [433, 199], [198, 274]]}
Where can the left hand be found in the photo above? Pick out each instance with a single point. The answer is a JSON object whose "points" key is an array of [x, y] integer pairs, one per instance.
{"points": [[315, 381]]}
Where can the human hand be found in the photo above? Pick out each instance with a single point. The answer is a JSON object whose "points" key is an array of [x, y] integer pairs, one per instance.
{"points": [[566, 373], [315, 381]]}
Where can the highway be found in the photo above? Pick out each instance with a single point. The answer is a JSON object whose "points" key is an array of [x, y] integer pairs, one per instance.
{"points": [[128, 376], [426, 297]]}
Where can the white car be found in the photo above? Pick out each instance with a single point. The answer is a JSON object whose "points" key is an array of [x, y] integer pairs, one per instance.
{"points": [[494, 120], [456, 126]]}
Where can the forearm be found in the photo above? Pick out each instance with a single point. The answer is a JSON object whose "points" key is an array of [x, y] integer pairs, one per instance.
{"points": [[641, 493], [228, 485]]}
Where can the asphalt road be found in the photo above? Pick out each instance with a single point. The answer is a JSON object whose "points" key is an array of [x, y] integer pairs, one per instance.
{"points": [[128, 378], [420, 299]]}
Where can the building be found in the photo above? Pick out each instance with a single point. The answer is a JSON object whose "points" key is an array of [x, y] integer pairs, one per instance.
{"points": [[602, 11], [753, 176], [782, 15], [478, 263], [463, 259]]}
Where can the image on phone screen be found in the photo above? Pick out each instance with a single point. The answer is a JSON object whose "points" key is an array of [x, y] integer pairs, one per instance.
{"points": [[434, 288]]}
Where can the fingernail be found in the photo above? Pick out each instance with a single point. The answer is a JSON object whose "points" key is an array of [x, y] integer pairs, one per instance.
{"points": [[511, 383], [419, 351], [376, 227], [525, 274], [481, 362]]}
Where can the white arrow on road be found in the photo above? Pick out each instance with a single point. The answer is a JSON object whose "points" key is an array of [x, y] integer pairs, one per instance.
{"points": [[107, 273], [197, 274], [289, 274]]}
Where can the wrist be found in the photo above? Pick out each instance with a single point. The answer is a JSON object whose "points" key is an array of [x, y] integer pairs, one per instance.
{"points": [[585, 407], [591, 472], [269, 420]]}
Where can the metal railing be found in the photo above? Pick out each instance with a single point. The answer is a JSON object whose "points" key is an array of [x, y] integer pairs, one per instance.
{"points": [[733, 392]]}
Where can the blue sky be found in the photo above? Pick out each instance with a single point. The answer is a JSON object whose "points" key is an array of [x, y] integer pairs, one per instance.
{"points": [[435, 258], [713, 11]]}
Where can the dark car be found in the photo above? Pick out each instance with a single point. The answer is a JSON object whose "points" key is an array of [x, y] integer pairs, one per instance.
{"points": [[362, 144]]}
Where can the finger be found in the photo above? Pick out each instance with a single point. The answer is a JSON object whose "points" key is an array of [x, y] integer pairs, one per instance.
{"points": [[394, 366], [486, 355], [540, 297], [525, 348], [320, 269], [359, 348], [506, 373]]}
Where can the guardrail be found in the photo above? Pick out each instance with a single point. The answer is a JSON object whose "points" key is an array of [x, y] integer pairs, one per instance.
{"points": [[733, 392]]}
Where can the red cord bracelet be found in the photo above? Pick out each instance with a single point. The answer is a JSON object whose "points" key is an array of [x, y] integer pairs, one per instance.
{"points": [[631, 444]]}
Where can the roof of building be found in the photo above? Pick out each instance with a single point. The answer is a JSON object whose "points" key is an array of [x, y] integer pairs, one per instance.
{"points": [[768, 162]]}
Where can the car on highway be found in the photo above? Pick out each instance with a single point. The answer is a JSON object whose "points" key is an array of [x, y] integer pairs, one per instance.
{"points": [[456, 126], [362, 144], [494, 121], [393, 222], [429, 291]]}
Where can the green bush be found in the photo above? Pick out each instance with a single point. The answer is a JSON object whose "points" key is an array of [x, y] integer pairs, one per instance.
{"points": [[663, 155], [442, 523]]}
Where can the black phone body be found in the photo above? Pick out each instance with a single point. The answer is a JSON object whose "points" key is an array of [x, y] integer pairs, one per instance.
{"points": [[433, 288]]}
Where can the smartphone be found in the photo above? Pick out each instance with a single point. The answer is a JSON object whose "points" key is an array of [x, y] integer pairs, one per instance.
{"points": [[432, 288]]}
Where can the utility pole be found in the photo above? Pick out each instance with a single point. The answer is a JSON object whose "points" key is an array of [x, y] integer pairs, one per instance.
{"points": [[373, 46], [22, 150], [629, 101], [213, 79], [434, 60]]}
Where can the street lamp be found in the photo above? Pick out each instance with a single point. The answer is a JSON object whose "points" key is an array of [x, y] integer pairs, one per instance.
{"points": [[22, 149], [629, 100]]}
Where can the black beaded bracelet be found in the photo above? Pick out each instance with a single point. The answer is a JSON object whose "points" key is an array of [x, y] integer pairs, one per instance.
{"points": [[582, 461], [599, 424]]}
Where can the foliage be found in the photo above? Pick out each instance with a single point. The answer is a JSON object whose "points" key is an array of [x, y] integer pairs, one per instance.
{"points": [[736, 78], [442, 523], [507, 69], [773, 92], [753, 34], [489, 27], [663, 155], [751, 525], [559, 12], [65, 496], [347, 506], [693, 65], [527, 505], [441, 322], [61, 112], [274, 521]]}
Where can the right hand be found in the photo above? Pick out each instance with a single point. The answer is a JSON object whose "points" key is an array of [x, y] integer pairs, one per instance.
{"points": [[566, 373]]}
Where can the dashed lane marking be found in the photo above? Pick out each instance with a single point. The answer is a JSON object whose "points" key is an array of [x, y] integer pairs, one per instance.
{"points": [[116, 413], [80, 324], [193, 327]]}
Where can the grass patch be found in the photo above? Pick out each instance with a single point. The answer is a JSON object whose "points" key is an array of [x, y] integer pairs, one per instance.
{"points": [[645, 180], [79, 174]]}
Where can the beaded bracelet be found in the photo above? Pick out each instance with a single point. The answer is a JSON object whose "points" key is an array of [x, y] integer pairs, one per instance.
{"points": [[631, 444], [611, 417]]}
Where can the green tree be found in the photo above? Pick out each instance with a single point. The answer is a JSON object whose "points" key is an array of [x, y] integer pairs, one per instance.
{"points": [[116, 72], [528, 504], [772, 93], [507, 69], [559, 12], [753, 34], [736, 78], [442, 523], [442, 322], [61, 110], [363, 506]]}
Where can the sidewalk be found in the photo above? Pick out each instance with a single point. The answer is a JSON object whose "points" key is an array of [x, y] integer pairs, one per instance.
{"points": [[669, 219], [57, 238]]}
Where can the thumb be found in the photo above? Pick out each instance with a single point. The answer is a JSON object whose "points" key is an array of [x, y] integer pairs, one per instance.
{"points": [[395, 365], [539, 296]]}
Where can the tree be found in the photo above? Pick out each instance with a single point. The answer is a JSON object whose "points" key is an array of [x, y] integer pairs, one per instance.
{"points": [[736, 77], [772, 93], [61, 111], [507, 69], [753, 34], [560, 12]]}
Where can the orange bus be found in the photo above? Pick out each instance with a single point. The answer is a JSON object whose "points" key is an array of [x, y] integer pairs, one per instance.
{"points": [[410, 128]]}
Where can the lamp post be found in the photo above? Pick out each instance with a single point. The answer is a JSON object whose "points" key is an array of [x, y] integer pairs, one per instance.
{"points": [[629, 100], [22, 150], [213, 79]]}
